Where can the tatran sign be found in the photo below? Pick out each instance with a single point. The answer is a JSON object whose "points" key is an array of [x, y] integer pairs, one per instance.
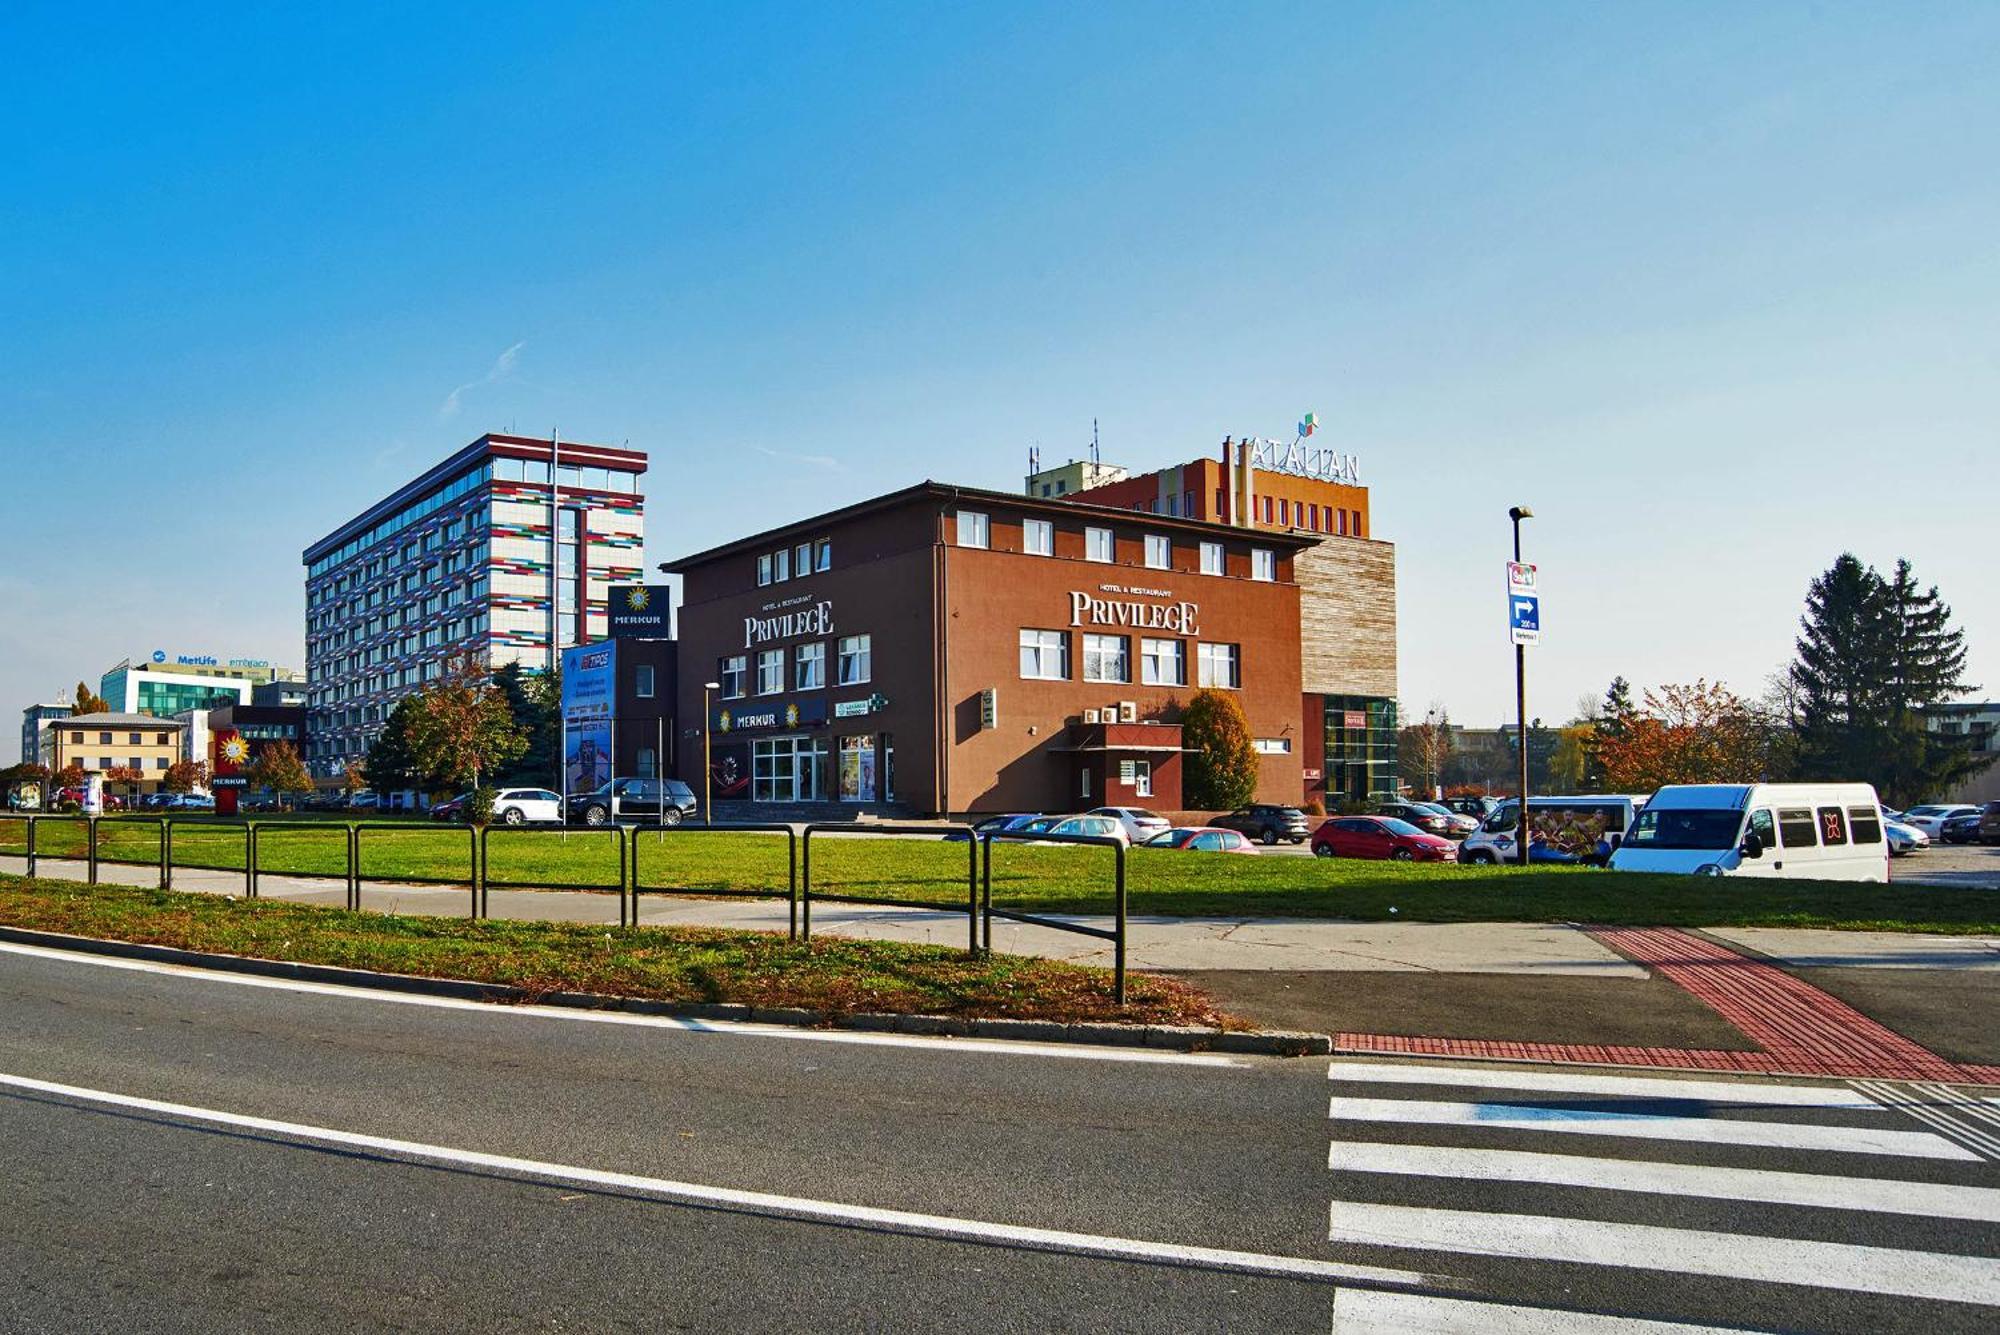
{"points": [[1296, 458], [804, 618], [1087, 609]]}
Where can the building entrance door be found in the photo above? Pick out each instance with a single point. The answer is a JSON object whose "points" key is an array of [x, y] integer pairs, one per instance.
{"points": [[787, 769]]}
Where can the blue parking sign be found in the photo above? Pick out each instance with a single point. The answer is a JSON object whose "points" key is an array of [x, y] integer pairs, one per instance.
{"points": [[1524, 617]]}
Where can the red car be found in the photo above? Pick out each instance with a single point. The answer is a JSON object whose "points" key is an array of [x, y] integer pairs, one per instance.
{"points": [[1202, 839], [1380, 837]]}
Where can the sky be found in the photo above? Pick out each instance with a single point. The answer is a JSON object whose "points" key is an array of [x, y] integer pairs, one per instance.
{"points": [[1714, 289]]}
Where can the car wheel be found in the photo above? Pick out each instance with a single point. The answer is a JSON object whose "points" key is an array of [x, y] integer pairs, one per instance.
{"points": [[595, 817], [512, 816], [1322, 850], [1298, 838], [1270, 836], [672, 816], [1403, 855]]}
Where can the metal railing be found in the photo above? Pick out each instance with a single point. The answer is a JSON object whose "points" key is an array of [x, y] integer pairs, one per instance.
{"points": [[474, 868], [350, 846], [1117, 933], [667, 833], [482, 878], [937, 832]]}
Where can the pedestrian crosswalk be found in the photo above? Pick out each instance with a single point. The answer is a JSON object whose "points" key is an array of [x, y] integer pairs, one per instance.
{"points": [[1587, 1201]]}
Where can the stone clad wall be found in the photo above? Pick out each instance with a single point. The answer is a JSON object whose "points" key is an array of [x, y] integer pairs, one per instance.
{"points": [[1347, 617]]}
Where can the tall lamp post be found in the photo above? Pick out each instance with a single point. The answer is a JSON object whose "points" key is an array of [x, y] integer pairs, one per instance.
{"points": [[707, 765], [1431, 746], [1521, 826]]}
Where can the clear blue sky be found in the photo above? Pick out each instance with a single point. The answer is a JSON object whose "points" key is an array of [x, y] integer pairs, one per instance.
{"points": [[1715, 288]]}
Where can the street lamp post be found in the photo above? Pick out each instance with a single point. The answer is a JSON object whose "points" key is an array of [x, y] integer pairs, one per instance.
{"points": [[707, 763], [1521, 828], [1431, 748]]}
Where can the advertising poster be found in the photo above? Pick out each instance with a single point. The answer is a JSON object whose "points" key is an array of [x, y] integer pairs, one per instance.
{"points": [[729, 769], [589, 682], [587, 756]]}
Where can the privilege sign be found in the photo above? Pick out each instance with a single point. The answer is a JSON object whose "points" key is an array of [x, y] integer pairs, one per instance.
{"points": [[1088, 610], [816, 619]]}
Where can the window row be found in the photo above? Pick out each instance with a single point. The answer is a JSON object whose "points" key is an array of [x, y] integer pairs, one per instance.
{"points": [[807, 558], [1038, 538], [853, 666], [1045, 656]]}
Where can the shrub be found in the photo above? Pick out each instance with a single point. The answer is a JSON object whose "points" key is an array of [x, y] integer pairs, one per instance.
{"points": [[1221, 759], [479, 806]]}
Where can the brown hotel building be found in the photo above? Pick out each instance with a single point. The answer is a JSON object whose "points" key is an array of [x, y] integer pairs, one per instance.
{"points": [[945, 649]]}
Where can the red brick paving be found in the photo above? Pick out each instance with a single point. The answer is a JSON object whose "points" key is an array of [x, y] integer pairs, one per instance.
{"points": [[1799, 1029]]}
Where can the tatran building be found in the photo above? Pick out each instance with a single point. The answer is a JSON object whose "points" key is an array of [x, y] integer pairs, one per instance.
{"points": [[1346, 581], [166, 684], [505, 551]]}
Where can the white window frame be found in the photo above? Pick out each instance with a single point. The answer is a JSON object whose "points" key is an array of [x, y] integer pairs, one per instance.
{"points": [[1093, 538], [1040, 646], [823, 555], [642, 681], [1150, 655], [802, 558], [781, 565], [1273, 746], [763, 570], [809, 666], [1142, 778], [1038, 537], [1101, 645], [1263, 564], [1159, 552], [770, 668], [1212, 659], [1212, 558], [856, 664], [975, 529]]}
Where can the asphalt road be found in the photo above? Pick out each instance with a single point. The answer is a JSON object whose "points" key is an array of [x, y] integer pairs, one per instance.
{"points": [[190, 1151]]}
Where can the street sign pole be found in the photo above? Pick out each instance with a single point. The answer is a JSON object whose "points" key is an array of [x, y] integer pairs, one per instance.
{"points": [[1516, 576]]}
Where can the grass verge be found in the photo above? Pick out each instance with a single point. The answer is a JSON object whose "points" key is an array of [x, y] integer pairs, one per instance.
{"points": [[659, 964]]}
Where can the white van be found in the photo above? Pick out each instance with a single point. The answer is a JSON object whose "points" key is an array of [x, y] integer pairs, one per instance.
{"points": [[1584, 829], [1819, 831]]}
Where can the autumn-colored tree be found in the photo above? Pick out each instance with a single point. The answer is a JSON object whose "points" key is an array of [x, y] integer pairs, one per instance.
{"points": [[69, 776], [129, 775], [1425, 748], [1570, 765], [184, 776], [278, 768], [1220, 757], [88, 702], [1699, 733], [353, 778], [462, 728]]}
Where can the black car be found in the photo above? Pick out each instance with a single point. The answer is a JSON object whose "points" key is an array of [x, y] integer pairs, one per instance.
{"points": [[1422, 815], [1962, 829], [1479, 808], [1267, 822], [635, 801]]}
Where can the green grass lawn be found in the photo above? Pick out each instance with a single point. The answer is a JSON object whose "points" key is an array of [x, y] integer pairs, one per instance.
{"points": [[667, 964], [1058, 880]]}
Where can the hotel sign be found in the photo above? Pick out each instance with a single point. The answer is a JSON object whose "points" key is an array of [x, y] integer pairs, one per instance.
{"points": [[1321, 465], [1087, 609], [805, 618]]}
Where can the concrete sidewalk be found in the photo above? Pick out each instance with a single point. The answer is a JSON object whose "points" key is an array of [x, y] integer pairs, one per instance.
{"points": [[1154, 943]]}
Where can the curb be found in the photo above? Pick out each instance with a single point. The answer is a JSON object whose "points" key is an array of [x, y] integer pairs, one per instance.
{"points": [[1169, 1038]]}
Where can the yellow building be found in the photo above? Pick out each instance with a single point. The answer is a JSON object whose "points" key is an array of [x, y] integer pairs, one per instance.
{"points": [[100, 743]]}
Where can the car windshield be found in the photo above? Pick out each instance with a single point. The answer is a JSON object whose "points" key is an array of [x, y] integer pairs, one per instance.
{"points": [[1170, 838], [1401, 827], [1928, 811], [1685, 828]]}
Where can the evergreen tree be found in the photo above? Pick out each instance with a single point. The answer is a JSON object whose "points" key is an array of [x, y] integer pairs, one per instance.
{"points": [[1611, 725], [1924, 667], [391, 764], [535, 700]]}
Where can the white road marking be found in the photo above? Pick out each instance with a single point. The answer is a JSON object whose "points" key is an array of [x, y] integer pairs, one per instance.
{"points": [[1936, 1107], [1646, 1126], [1939, 1200], [756, 1202], [1584, 1082], [729, 1028], [1381, 1312], [1812, 1264]]}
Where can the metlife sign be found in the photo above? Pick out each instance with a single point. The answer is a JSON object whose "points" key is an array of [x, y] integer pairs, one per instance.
{"points": [[1524, 603]]}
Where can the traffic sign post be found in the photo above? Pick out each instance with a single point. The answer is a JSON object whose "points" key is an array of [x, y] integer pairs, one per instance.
{"points": [[1524, 618]]}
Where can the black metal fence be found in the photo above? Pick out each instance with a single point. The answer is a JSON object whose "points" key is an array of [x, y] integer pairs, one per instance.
{"points": [[800, 892]]}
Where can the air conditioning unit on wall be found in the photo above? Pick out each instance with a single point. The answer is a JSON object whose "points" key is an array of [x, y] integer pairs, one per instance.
{"points": [[1128, 711], [1090, 716]]}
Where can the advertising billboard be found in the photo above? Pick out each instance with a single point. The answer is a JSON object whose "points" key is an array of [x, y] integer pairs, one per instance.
{"points": [[642, 611], [586, 756], [589, 682]]}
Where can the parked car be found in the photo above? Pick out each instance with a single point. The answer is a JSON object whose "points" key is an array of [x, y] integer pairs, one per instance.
{"points": [[1989, 824], [1823, 831], [1202, 839], [1266, 822], [186, 801], [1381, 837], [1091, 826], [1930, 818], [363, 800], [1031, 822], [1904, 838], [452, 808], [1428, 817], [1479, 808], [1963, 828], [645, 801], [1140, 824]]}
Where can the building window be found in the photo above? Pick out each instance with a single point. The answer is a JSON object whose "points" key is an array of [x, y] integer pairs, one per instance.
{"points": [[1273, 746], [1159, 552], [1097, 544], [647, 765], [1211, 558], [1142, 778], [802, 558], [104, 739], [823, 555], [733, 676], [1038, 537], [809, 663], [1263, 564], [781, 565], [1045, 655], [856, 653], [973, 529], [1218, 665], [1083, 784], [770, 671], [642, 681], [1107, 658], [1162, 663]]}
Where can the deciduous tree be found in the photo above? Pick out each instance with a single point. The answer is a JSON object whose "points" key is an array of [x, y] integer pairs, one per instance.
{"points": [[1423, 749], [1699, 733], [129, 775], [278, 768], [88, 701], [184, 776], [1220, 757], [462, 730]]}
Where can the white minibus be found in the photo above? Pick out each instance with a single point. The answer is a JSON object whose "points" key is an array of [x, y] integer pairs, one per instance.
{"points": [[1817, 831]]}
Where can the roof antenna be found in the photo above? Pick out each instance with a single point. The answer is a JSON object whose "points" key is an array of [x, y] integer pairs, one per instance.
{"points": [[1093, 441]]}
